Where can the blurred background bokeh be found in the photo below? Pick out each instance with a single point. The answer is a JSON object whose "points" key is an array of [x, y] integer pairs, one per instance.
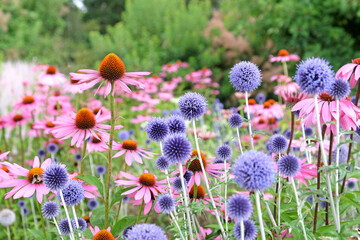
{"points": [[147, 34]]}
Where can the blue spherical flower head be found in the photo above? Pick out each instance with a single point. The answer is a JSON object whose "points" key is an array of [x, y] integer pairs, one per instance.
{"points": [[146, 232], [41, 153], [92, 204], [245, 76], [278, 143], [124, 135], [73, 193], [235, 120], [287, 133], [25, 210], [21, 204], [162, 163], [176, 124], [166, 203], [339, 88], [343, 154], [82, 224], [239, 207], [218, 160], [188, 175], [50, 210], [78, 157], [52, 148], [224, 152], [289, 165], [157, 129], [176, 184], [260, 98], [176, 112], [250, 230], [254, 170], [192, 105], [351, 184], [310, 199], [314, 75], [177, 148], [127, 231], [309, 131], [100, 169], [55, 177], [65, 227]]}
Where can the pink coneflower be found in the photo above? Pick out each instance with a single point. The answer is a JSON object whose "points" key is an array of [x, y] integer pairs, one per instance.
{"points": [[33, 181], [29, 103], [201, 195], [206, 135], [349, 113], [111, 69], [3, 121], [146, 187], [140, 119], [3, 156], [80, 126], [292, 87], [267, 196], [281, 78], [284, 56], [72, 86], [102, 234], [16, 119], [308, 171], [55, 106], [47, 125], [292, 97], [131, 151], [350, 70], [98, 144], [52, 77]]}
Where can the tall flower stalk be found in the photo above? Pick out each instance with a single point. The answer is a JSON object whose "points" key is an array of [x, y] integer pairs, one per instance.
{"points": [[249, 119], [301, 219]]}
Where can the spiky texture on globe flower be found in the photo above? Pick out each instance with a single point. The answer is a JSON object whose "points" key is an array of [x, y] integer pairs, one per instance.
{"points": [[224, 152], [218, 160], [188, 175], [254, 170], [82, 224], [21, 204], [52, 148], [278, 143], [93, 204], [250, 230], [100, 169], [55, 177], [176, 184], [162, 163], [343, 154], [351, 184], [235, 120], [339, 88], [127, 231], [314, 75], [177, 148], [166, 203], [73, 193], [146, 232], [41, 153], [157, 129], [289, 165], [7, 217], [245, 76], [239, 207], [176, 124], [287, 133], [309, 131], [64, 226], [50, 210], [192, 105]]}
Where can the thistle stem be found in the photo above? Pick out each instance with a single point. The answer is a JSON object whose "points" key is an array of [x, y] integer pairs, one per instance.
{"points": [[34, 215], [8, 232], [292, 131], [249, 119], [337, 159], [301, 219], [177, 225], [238, 135], [140, 211], [23, 222], [91, 165], [242, 228], [57, 227], [67, 214], [4, 139], [166, 172], [225, 197], [261, 224]]}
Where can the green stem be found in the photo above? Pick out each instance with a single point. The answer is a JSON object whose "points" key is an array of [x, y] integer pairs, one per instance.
{"points": [[42, 221], [285, 69], [195, 191], [120, 201], [21, 147], [140, 210], [107, 189], [4, 140], [83, 157]]}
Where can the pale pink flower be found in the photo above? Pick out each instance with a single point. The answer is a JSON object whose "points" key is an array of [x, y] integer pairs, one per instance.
{"points": [[17, 119], [73, 87], [132, 152], [206, 135], [267, 196], [52, 77], [98, 144], [62, 105], [284, 56], [140, 119], [3, 156], [47, 125], [281, 78], [293, 97], [290, 87], [30, 103], [350, 71]]}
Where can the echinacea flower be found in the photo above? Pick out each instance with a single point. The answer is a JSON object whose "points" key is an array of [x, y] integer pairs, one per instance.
{"points": [[104, 234], [33, 183], [47, 125], [350, 71], [111, 69], [4, 155], [284, 56], [17, 119], [132, 152], [80, 126], [29, 103], [293, 97], [98, 143], [349, 113], [52, 77]]}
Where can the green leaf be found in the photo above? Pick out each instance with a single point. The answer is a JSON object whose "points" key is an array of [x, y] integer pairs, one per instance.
{"points": [[122, 224], [93, 181], [117, 196]]}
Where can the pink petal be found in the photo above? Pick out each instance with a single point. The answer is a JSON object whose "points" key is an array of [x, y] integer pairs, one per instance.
{"points": [[140, 194], [36, 163]]}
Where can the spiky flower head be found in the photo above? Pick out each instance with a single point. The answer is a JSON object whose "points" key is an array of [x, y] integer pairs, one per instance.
{"points": [[93, 204], [343, 153], [245, 76], [157, 129], [65, 227], [176, 124], [55, 177], [177, 185], [162, 163], [100, 169], [314, 75], [52, 148], [224, 152], [73, 193], [250, 230], [146, 232], [278, 143], [82, 224], [50, 210], [177, 148], [166, 203], [192, 105], [239, 207], [289, 165], [339, 88], [309, 131], [235, 120]]}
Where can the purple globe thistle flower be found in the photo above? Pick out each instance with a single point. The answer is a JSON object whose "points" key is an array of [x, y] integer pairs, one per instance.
{"points": [[289, 165], [218, 160], [73, 193], [310, 199], [176, 184], [25, 211], [165, 112], [126, 199], [100, 169], [131, 132], [93, 204], [314, 75], [176, 112], [309, 131], [250, 230], [157, 129], [192, 105], [245, 76], [124, 135], [162, 163], [65, 227], [127, 231], [235, 120], [55, 177], [339, 88], [166, 203], [254, 170], [287, 133], [78, 157], [41, 153], [278, 143], [21, 204], [146, 232], [188, 175], [177, 148], [224, 152], [52, 148], [176, 124], [239, 207], [82, 224], [148, 141], [351, 184], [50, 210], [260, 98], [322, 202], [343, 153]]}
